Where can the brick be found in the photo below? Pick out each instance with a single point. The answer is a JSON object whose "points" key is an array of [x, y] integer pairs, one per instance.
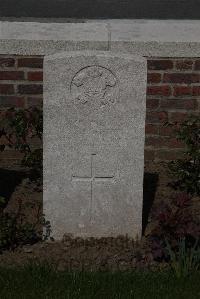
{"points": [[7, 62], [197, 65], [11, 75], [184, 65], [154, 141], [6, 88], [35, 62], [196, 91], [178, 116], [167, 131], [167, 155], [35, 76], [163, 90], [149, 155], [159, 142], [151, 129], [34, 102], [182, 91], [187, 104], [30, 89], [181, 78], [153, 77], [11, 101], [152, 103], [161, 64], [174, 143], [156, 117]]}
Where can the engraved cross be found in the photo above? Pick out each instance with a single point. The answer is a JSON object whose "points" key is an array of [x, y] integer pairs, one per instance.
{"points": [[92, 178]]}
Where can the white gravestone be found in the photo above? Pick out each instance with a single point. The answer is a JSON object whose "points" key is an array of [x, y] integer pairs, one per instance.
{"points": [[94, 118]]}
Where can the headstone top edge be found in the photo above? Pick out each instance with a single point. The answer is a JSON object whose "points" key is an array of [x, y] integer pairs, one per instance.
{"points": [[106, 54]]}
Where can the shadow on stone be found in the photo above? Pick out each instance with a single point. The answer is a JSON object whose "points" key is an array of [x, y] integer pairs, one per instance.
{"points": [[9, 180], [149, 189], [102, 9]]}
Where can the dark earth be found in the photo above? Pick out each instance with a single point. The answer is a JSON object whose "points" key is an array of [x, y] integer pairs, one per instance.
{"points": [[102, 254]]}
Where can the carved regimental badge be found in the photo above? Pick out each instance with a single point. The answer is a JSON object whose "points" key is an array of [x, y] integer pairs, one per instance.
{"points": [[94, 84]]}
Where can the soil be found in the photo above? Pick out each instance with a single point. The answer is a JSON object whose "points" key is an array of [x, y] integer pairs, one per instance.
{"points": [[91, 254]]}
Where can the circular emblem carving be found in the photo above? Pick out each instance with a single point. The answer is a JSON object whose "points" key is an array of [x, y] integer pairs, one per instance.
{"points": [[94, 84]]}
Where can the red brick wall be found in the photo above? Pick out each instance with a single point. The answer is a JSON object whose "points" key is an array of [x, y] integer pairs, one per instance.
{"points": [[173, 93], [20, 81]]}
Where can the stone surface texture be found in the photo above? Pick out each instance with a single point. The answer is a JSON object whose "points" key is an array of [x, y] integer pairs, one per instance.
{"points": [[139, 37], [32, 38], [94, 118]]}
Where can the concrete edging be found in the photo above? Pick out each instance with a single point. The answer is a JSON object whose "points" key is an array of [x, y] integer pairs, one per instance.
{"points": [[139, 37]]}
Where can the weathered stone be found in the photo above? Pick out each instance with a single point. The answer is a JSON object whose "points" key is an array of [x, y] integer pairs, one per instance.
{"points": [[94, 115], [149, 38], [34, 38]]}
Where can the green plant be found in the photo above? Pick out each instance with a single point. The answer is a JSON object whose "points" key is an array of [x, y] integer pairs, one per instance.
{"points": [[7, 225], [14, 232], [174, 221], [2, 202], [22, 130], [18, 128], [16, 229], [45, 281], [185, 260], [187, 170]]}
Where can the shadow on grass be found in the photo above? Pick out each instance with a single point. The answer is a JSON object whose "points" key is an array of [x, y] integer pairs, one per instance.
{"points": [[149, 190]]}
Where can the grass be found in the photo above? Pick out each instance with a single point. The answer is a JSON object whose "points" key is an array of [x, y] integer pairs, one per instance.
{"points": [[44, 282]]}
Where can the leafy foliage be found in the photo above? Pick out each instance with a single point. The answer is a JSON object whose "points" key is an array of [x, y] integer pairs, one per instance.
{"points": [[185, 260], [22, 130], [187, 170], [2, 202], [18, 127], [175, 221], [16, 230], [13, 233]]}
